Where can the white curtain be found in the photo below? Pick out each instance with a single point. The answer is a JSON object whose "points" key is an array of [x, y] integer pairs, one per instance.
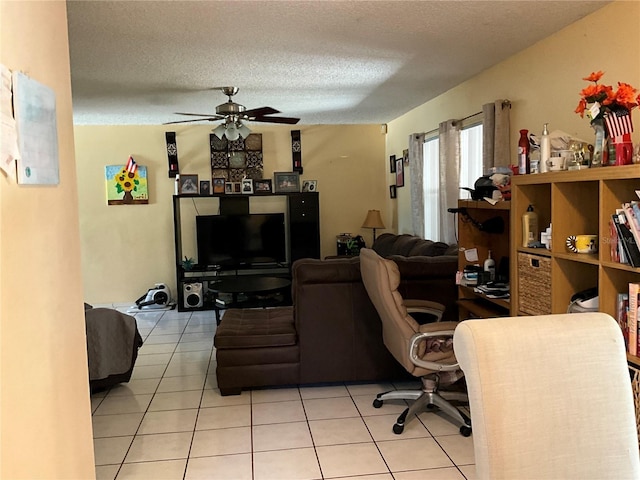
{"points": [[495, 128], [449, 137], [416, 169]]}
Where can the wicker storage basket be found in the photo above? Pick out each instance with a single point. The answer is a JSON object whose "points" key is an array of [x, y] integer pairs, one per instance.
{"points": [[534, 284]]}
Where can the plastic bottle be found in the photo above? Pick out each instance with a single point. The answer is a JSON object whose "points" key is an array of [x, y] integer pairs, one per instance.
{"points": [[490, 266], [529, 227], [545, 149], [524, 165]]}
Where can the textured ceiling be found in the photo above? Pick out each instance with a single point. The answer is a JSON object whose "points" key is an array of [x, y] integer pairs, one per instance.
{"points": [[324, 61]]}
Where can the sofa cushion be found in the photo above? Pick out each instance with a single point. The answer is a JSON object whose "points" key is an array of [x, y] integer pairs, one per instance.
{"points": [[406, 245], [251, 328]]}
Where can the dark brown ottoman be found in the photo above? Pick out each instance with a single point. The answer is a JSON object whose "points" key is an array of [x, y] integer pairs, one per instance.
{"points": [[256, 348]]}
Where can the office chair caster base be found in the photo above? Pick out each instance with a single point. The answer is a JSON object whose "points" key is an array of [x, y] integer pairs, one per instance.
{"points": [[398, 428], [465, 430], [377, 403]]}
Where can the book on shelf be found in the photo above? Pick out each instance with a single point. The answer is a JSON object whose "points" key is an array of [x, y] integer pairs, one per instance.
{"points": [[622, 312], [629, 245], [632, 318], [632, 221], [614, 244]]}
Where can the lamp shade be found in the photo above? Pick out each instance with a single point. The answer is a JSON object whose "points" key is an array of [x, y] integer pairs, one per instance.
{"points": [[219, 130], [232, 132], [243, 130], [373, 220]]}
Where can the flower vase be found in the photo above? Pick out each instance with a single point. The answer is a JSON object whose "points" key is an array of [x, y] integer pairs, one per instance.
{"points": [[599, 155], [623, 149]]}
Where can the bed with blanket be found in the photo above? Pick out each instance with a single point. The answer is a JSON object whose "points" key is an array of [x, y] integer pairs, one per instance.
{"points": [[113, 341]]}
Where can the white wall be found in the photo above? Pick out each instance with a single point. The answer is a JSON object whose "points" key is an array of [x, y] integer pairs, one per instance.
{"points": [[45, 406], [543, 83]]}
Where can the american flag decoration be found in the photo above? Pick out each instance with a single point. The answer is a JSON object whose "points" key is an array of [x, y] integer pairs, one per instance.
{"points": [[132, 166], [619, 122]]}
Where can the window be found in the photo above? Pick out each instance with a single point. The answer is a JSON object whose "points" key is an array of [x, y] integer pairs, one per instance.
{"points": [[470, 155], [470, 169]]}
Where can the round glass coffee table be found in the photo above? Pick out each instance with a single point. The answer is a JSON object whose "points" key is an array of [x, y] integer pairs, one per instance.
{"points": [[246, 292]]}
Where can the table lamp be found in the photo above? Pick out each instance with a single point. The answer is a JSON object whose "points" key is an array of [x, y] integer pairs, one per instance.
{"points": [[373, 220]]}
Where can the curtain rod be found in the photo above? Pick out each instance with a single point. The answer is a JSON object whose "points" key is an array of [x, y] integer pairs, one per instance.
{"points": [[505, 103]]}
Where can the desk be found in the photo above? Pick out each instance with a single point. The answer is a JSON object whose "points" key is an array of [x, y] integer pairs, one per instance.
{"points": [[252, 287]]}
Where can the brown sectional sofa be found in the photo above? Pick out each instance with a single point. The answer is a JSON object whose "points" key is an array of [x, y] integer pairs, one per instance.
{"points": [[332, 333]]}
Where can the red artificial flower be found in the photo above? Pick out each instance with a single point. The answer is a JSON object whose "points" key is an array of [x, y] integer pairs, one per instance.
{"points": [[595, 76], [625, 96]]}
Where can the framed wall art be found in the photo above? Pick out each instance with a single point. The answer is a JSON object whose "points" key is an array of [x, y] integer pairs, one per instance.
{"points": [[392, 191], [205, 187], [188, 185], [262, 186], [125, 187], [286, 182], [218, 185], [310, 186], [399, 173], [247, 186], [392, 164]]}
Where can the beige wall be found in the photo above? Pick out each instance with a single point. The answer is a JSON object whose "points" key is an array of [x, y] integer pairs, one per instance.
{"points": [[45, 406], [126, 249], [542, 82]]}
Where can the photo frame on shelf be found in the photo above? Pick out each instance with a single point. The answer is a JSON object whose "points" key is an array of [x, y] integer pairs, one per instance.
{"points": [[399, 173], [188, 185], [262, 186], [218, 185], [236, 187], [205, 187], [247, 186], [392, 191], [286, 182], [310, 186], [392, 164]]}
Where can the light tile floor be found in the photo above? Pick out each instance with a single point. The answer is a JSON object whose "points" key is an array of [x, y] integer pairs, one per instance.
{"points": [[170, 422]]}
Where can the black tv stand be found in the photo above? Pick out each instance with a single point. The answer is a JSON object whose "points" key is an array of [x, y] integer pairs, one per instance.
{"points": [[302, 228]]}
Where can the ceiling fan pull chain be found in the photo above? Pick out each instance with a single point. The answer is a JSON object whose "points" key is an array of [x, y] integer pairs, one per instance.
{"points": [[172, 153], [296, 151]]}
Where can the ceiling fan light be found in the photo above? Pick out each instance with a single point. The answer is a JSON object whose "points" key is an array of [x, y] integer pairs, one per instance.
{"points": [[232, 132], [243, 130], [219, 130]]}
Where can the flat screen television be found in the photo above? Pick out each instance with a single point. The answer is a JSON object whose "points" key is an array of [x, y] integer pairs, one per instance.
{"points": [[237, 240]]}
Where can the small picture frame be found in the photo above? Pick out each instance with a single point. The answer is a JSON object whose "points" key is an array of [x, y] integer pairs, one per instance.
{"points": [[188, 185], [286, 182], [405, 156], [228, 188], [218, 185], [310, 186], [236, 188], [247, 186], [399, 173], [262, 186], [392, 191], [205, 187], [392, 164]]}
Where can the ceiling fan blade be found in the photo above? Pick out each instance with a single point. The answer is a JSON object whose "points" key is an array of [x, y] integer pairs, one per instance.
{"points": [[212, 115], [261, 111], [210, 119], [288, 120]]}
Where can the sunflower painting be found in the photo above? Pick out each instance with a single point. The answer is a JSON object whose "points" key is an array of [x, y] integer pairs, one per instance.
{"points": [[126, 186]]}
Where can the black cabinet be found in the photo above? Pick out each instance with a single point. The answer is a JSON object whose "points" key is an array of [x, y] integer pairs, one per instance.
{"points": [[304, 226], [303, 229]]}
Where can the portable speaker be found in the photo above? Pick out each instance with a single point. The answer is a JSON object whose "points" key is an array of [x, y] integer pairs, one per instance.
{"points": [[192, 295]]}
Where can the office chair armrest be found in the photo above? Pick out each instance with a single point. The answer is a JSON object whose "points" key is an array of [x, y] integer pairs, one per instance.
{"points": [[425, 306], [437, 366]]}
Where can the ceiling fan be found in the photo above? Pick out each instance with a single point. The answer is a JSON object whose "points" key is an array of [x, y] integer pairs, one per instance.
{"points": [[234, 114]]}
